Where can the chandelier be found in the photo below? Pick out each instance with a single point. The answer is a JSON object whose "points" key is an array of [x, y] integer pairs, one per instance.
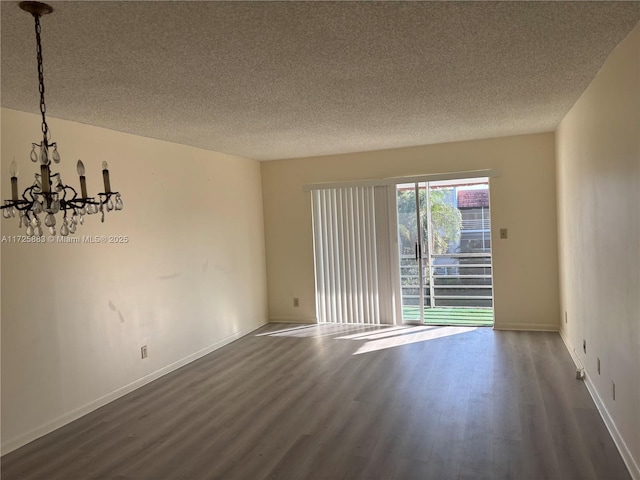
{"points": [[48, 196]]}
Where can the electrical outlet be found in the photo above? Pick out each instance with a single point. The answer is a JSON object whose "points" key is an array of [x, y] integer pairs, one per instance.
{"points": [[598, 365], [296, 302], [503, 233], [584, 345], [143, 352], [613, 390]]}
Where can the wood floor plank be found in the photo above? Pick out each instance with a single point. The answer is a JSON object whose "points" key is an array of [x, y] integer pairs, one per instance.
{"points": [[601, 451], [345, 402]]}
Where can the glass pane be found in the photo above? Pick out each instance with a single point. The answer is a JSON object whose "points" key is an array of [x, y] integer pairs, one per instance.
{"points": [[407, 240], [424, 247], [461, 240]]}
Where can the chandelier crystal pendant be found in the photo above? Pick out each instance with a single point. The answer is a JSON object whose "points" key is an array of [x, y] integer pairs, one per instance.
{"points": [[48, 195]]}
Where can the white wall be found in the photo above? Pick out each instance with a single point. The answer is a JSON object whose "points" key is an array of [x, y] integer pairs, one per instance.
{"points": [[191, 277], [598, 163], [522, 200]]}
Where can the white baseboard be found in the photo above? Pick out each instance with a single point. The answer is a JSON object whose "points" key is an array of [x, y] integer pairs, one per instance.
{"points": [[293, 320], [15, 443], [627, 457], [571, 349], [525, 327]]}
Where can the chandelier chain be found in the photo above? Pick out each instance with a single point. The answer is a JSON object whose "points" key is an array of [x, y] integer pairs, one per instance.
{"points": [[43, 106]]}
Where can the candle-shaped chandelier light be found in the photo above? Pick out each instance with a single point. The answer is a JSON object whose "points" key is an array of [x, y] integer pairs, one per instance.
{"points": [[48, 195]]}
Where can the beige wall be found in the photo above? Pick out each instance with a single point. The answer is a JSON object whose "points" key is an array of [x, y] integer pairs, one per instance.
{"points": [[598, 160], [522, 200], [191, 277]]}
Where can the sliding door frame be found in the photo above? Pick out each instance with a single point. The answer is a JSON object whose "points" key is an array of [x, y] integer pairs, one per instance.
{"points": [[390, 183]]}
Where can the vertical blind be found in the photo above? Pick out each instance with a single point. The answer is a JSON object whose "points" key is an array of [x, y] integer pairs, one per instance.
{"points": [[351, 247]]}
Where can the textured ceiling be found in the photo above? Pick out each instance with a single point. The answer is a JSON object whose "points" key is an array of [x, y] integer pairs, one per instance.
{"points": [[270, 80]]}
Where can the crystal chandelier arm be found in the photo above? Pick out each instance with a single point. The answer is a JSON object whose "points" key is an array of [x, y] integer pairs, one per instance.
{"points": [[21, 204], [31, 194], [75, 201]]}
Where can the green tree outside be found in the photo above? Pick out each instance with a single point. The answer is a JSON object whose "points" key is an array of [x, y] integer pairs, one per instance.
{"points": [[446, 219]]}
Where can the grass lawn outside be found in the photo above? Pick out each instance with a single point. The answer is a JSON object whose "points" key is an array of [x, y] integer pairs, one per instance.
{"points": [[450, 315]]}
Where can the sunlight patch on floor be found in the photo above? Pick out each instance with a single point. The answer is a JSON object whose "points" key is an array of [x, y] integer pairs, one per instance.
{"points": [[378, 333], [372, 337], [285, 331], [322, 330], [417, 334]]}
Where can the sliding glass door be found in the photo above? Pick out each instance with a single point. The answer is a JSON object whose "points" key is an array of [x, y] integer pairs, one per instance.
{"points": [[444, 239], [412, 231]]}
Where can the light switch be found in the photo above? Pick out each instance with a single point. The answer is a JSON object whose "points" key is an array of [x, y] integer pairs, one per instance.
{"points": [[503, 233]]}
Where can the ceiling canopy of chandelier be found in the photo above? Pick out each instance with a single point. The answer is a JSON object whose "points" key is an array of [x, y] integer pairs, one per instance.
{"points": [[48, 195]]}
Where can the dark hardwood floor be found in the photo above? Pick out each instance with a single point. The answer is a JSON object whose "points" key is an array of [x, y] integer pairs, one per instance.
{"points": [[334, 402]]}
